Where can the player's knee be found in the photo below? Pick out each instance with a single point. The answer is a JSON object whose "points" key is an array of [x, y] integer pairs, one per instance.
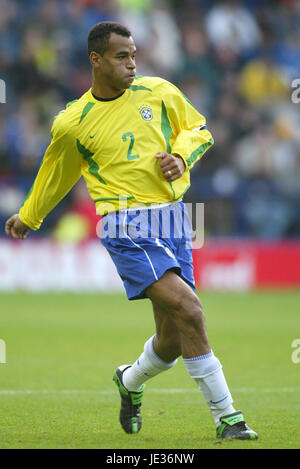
{"points": [[188, 310]]}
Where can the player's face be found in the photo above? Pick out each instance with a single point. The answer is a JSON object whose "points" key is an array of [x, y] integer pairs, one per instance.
{"points": [[117, 65]]}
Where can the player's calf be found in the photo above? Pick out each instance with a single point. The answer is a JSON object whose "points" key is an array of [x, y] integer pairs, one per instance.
{"points": [[175, 297], [167, 340]]}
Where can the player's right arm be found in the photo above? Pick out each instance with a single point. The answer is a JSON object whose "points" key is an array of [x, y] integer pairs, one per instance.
{"points": [[15, 228], [59, 171]]}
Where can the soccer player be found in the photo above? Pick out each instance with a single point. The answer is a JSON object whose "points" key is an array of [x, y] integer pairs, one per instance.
{"points": [[134, 139]]}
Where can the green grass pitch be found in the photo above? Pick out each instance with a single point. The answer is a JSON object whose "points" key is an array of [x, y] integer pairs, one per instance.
{"points": [[56, 389]]}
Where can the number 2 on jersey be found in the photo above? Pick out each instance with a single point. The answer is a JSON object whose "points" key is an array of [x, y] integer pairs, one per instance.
{"points": [[129, 155]]}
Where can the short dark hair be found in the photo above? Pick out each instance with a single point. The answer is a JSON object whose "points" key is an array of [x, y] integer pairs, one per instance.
{"points": [[99, 35]]}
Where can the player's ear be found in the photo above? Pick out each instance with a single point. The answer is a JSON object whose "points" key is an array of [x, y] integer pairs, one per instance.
{"points": [[95, 58]]}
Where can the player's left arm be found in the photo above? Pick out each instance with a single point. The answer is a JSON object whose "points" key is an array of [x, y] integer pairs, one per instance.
{"points": [[190, 135], [172, 165]]}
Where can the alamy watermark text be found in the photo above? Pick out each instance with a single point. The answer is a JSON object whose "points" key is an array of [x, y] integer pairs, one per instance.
{"points": [[2, 351], [295, 97], [2, 91], [296, 353]]}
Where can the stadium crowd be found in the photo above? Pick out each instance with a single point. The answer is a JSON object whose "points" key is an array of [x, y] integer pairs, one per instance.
{"points": [[235, 60]]}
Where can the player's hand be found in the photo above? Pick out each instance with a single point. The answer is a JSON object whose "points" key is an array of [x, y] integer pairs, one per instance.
{"points": [[172, 166], [15, 228]]}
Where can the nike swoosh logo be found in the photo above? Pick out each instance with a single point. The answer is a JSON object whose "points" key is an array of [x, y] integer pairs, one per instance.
{"points": [[217, 402], [92, 136]]}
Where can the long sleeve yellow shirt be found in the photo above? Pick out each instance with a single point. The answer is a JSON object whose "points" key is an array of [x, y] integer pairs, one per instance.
{"points": [[113, 143]]}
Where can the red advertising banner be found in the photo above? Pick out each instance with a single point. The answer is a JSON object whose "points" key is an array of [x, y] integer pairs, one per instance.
{"points": [[237, 265], [231, 265]]}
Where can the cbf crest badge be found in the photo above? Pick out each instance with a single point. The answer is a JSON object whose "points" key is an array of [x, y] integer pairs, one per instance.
{"points": [[146, 113]]}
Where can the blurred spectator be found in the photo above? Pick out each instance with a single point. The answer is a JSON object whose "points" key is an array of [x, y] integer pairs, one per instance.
{"points": [[230, 25], [261, 81]]}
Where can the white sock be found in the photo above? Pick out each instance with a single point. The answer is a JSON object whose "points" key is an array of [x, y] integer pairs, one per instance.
{"points": [[148, 365], [208, 374]]}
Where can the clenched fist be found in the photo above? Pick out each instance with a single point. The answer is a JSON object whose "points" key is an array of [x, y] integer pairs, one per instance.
{"points": [[15, 228]]}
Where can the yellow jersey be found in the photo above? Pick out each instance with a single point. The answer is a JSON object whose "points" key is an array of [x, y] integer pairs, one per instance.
{"points": [[113, 143]]}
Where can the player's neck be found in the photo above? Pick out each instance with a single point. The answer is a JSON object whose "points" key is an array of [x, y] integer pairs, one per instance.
{"points": [[101, 90]]}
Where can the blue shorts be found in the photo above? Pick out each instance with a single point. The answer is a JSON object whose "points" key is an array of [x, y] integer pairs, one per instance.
{"points": [[145, 243]]}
